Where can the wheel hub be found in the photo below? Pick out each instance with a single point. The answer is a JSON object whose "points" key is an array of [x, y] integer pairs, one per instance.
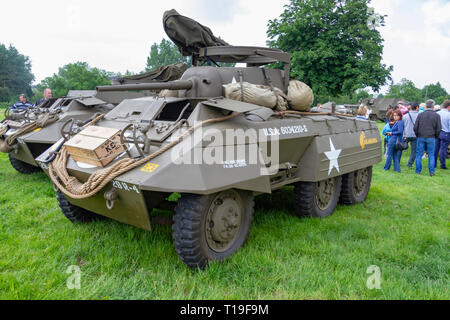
{"points": [[223, 221], [324, 193], [361, 179]]}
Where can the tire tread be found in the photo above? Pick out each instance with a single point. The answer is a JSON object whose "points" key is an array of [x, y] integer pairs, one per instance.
{"points": [[22, 167]]}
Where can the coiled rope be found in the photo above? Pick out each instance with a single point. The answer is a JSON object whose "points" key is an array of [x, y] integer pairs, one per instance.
{"points": [[7, 144], [74, 189]]}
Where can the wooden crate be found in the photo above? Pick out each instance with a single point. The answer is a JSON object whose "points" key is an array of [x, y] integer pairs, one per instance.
{"points": [[95, 145]]}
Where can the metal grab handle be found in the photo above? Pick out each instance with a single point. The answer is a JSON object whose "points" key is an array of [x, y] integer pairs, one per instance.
{"points": [[7, 112], [124, 140], [66, 134]]}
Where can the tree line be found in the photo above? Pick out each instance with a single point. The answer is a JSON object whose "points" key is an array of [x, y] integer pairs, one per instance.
{"points": [[336, 49]]}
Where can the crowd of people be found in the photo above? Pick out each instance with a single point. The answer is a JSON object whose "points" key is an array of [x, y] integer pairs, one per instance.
{"points": [[422, 126], [23, 103]]}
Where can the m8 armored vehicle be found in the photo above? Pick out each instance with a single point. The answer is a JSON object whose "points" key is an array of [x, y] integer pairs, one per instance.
{"points": [[217, 154], [340, 108], [25, 135], [379, 107]]}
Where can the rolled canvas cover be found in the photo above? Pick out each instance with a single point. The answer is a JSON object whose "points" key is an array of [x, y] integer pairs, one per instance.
{"points": [[160, 74], [188, 34]]}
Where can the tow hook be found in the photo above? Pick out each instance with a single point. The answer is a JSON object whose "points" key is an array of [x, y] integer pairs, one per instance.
{"points": [[111, 196]]}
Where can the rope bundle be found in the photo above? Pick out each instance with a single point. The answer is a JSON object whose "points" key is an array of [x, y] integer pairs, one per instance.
{"points": [[75, 189], [6, 145]]}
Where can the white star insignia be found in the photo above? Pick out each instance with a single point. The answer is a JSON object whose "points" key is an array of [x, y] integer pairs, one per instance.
{"points": [[333, 156]]}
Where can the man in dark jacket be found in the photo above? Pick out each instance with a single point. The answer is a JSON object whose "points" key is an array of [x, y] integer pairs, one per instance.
{"points": [[47, 95], [444, 137], [427, 129]]}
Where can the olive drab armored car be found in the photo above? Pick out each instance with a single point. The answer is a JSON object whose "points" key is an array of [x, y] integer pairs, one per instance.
{"points": [[217, 153], [25, 135], [379, 107]]}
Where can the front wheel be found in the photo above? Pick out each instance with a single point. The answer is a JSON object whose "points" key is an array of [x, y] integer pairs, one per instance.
{"points": [[317, 199], [211, 227], [22, 167], [74, 213]]}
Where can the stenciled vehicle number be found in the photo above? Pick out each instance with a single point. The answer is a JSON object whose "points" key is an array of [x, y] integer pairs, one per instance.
{"points": [[124, 186]]}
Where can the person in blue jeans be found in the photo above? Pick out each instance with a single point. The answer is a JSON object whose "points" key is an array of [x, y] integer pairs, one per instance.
{"points": [[427, 129], [444, 137], [409, 120], [395, 135]]}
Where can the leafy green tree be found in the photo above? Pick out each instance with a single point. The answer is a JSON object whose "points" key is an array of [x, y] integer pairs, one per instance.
{"points": [[15, 74], [362, 94], [74, 76], [435, 92], [335, 45], [164, 54], [167, 53], [405, 89]]}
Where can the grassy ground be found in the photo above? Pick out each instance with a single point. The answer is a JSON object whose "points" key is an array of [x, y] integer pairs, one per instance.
{"points": [[402, 228]]}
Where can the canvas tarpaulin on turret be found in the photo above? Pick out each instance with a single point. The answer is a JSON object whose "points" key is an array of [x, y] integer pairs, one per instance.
{"points": [[160, 74], [188, 34]]}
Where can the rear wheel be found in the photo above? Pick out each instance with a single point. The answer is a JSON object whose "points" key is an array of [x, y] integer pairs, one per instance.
{"points": [[74, 213], [211, 227], [355, 186], [22, 167], [317, 199]]}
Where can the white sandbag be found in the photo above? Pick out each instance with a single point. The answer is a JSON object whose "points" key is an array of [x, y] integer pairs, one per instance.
{"points": [[168, 93], [300, 95], [256, 94]]}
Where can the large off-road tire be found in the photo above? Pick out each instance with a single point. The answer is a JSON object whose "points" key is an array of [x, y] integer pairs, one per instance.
{"points": [[74, 213], [22, 167], [317, 199], [355, 186], [211, 227]]}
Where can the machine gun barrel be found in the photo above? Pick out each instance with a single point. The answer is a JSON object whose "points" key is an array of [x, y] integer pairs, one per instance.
{"points": [[171, 85]]}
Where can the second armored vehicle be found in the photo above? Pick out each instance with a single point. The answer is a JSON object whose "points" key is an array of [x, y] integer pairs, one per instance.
{"points": [[379, 107], [27, 134]]}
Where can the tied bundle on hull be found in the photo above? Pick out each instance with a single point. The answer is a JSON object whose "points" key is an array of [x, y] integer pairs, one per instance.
{"points": [[257, 94], [300, 96]]}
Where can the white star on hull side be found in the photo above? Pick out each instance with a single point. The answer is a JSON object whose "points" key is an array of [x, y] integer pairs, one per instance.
{"points": [[333, 156]]}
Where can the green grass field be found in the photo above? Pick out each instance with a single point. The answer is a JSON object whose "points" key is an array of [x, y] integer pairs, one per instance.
{"points": [[403, 228]]}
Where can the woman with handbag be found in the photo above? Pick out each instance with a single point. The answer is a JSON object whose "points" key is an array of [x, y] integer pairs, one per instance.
{"points": [[394, 151]]}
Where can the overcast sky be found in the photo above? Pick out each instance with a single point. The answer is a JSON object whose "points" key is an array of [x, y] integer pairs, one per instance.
{"points": [[116, 35]]}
